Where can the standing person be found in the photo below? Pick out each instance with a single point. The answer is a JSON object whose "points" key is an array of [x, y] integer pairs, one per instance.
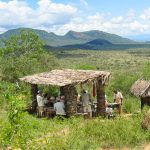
{"points": [[40, 102], [85, 98], [118, 98]]}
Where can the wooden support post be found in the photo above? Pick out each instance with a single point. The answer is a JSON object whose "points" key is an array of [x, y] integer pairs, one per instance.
{"points": [[142, 103], [34, 90], [70, 94], [101, 110]]}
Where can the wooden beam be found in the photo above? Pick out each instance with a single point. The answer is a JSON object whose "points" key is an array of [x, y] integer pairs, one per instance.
{"points": [[70, 94], [34, 90], [101, 110]]}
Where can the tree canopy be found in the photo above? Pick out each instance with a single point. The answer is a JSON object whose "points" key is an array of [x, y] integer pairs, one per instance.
{"points": [[23, 54]]}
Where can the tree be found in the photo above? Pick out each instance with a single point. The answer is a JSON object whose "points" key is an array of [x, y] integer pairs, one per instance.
{"points": [[25, 42], [23, 54]]}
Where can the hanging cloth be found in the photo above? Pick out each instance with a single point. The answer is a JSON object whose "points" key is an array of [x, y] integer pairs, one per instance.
{"points": [[94, 89]]}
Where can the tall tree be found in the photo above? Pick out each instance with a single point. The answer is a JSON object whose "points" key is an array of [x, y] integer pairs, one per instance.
{"points": [[23, 54]]}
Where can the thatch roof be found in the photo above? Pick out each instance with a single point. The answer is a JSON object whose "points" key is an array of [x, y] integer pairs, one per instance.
{"points": [[66, 77], [140, 88]]}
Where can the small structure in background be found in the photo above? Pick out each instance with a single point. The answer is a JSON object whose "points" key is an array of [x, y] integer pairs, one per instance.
{"points": [[141, 89], [67, 80]]}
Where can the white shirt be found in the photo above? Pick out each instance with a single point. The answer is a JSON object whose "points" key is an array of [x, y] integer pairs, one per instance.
{"points": [[118, 97], [59, 108], [40, 100], [85, 99]]}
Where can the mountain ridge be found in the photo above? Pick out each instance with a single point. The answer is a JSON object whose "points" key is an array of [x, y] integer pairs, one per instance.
{"points": [[71, 37]]}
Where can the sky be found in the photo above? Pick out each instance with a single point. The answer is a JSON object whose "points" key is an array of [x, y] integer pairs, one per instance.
{"points": [[121, 17]]}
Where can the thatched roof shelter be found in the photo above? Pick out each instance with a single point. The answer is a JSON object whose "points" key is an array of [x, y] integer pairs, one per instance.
{"points": [[141, 88], [66, 77]]}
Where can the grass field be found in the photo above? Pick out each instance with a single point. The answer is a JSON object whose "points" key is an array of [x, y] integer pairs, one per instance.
{"points": [[21, 130], [103, 60]]}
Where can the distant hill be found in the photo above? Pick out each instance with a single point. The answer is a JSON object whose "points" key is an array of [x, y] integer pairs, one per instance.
{"points": [[96, 34], [100, 44], [72, 37], [94, 44]]}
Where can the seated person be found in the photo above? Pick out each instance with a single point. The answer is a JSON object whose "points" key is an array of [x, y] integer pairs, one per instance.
{"points": [[62, 98], [51, 101], [59, 107]]}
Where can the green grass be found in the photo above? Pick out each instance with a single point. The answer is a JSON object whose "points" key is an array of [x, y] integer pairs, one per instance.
{"points": [[77, 133], [104, 60]]}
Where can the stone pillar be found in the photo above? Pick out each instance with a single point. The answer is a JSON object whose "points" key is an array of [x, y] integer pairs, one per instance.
{"points": [[70, 94], [34, 90], [101, 110]]}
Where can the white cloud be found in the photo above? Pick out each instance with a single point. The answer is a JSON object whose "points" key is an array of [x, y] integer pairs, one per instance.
{"points": [[121, 25], [60, 18], [15, 13], [118, 19], [145, 15], [2, 30]]}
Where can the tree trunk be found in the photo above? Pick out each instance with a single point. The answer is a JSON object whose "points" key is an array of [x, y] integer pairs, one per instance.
{"points": [[34, 90], [70, 94], [101, 110]]}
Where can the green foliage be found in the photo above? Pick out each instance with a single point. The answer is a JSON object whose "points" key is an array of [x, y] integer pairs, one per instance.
{"points": [[53, 90], [14, 113], [131, 104], [146, 71], [25, 42], [23, 55], [123, 81], [118, 133], [86, 67]]}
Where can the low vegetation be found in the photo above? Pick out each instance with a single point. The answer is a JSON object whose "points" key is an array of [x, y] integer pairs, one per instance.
{"points": [[21, 130]]}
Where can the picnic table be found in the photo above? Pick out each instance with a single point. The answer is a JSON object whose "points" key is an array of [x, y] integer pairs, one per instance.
{"points": [[115, 105], [49, 112]]}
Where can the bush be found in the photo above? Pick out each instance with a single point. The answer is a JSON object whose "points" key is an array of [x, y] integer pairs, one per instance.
{"points": [[131, 104], [123, 81]]}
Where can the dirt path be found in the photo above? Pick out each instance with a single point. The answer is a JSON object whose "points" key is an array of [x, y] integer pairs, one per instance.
{"points": [[147, 147]]}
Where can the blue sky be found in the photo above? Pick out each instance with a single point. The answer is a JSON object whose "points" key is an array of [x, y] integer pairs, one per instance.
{"points": [[122, 17], [114, 7]]}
